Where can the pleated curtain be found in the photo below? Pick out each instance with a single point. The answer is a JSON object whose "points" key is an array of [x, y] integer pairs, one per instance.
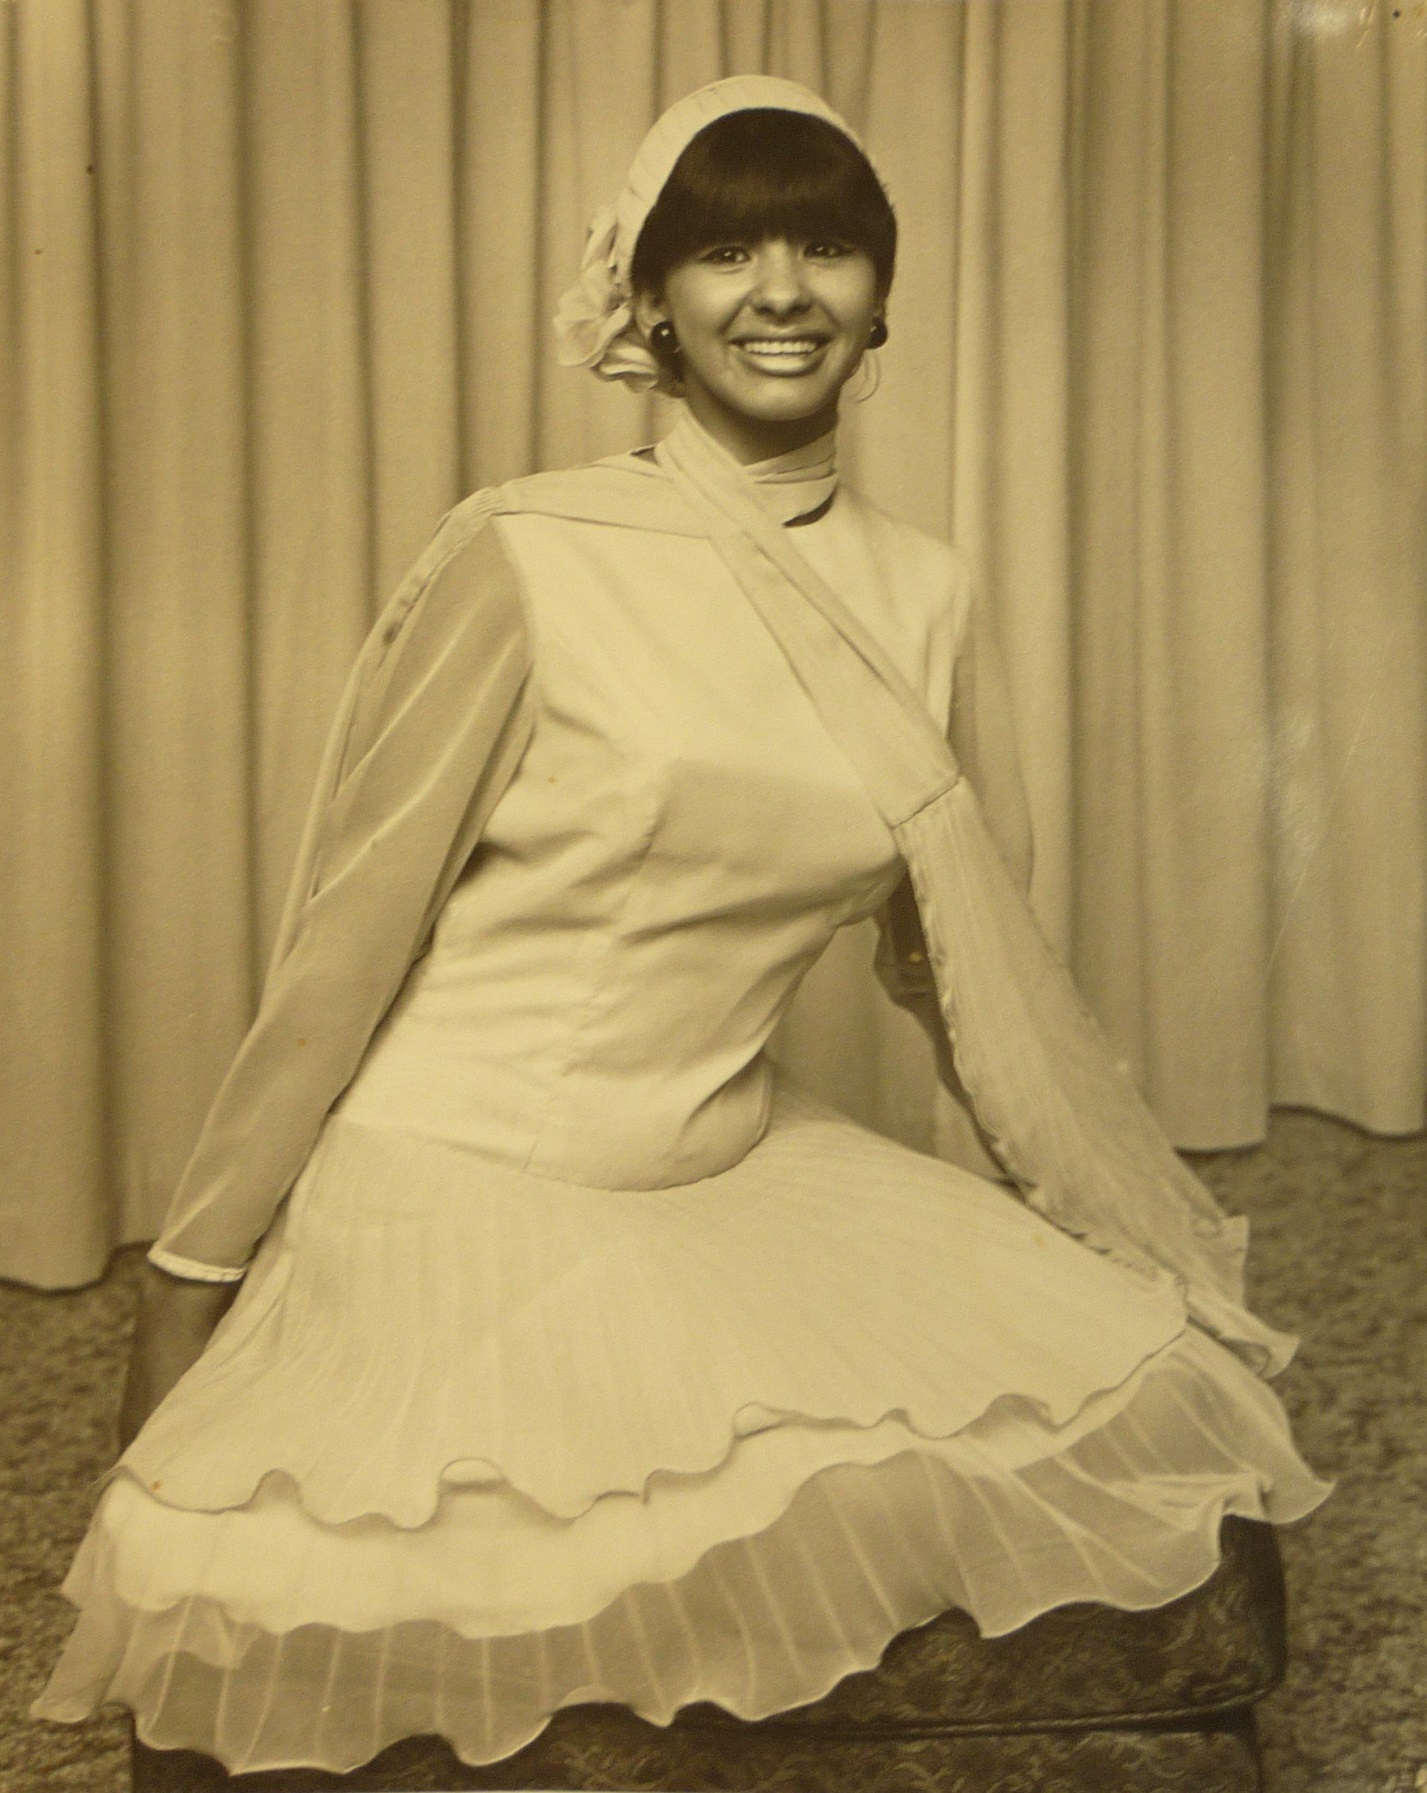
{"points": [[275, 281]]}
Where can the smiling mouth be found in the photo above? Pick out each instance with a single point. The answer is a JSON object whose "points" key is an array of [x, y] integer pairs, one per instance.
{"points": [[781, 353]]}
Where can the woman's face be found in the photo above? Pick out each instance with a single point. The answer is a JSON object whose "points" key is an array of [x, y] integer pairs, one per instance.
{"points": [[768, 334]]}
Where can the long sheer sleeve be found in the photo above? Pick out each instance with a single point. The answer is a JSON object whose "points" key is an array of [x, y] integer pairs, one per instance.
{"points": [[983, 739], [429, 732]]}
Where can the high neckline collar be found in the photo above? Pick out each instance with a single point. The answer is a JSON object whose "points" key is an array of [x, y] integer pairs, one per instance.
{"points": [[792, 487]]}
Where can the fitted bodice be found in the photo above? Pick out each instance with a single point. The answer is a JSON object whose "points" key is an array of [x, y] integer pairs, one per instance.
{"points": [[679, 844]]}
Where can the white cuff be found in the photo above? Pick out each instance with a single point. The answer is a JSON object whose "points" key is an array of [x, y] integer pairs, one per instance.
{"points": [[192, 1271]]}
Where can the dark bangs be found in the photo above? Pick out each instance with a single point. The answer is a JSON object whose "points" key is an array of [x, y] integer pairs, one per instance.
{"points": [[766, 173]]}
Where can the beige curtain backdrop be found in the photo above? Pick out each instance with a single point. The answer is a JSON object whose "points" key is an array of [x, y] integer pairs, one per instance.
{"points": [[275, 278]]}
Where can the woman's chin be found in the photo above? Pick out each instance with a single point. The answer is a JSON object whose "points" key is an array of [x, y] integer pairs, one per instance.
{"points": [[777, 400]]}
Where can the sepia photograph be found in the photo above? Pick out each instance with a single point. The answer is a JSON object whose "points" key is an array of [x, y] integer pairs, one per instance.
{"points": [[713, 896]]}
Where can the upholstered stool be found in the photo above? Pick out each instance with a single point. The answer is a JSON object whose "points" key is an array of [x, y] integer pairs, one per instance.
{"points": [[1085, 1699]]}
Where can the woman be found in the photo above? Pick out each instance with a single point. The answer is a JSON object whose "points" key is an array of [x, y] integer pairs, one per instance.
{"points": [[586, 1358]]}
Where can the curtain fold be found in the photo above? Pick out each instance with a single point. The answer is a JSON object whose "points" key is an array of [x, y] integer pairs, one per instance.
{"points": [[1346, 385], [1169, 924], [53, 983], [275, 284]]}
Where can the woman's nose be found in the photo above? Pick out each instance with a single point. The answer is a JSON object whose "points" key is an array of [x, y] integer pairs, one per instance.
{"points": [[780, 282]]}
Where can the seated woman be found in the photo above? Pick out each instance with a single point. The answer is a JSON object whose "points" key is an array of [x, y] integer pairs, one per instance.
{"points": [[577, 1354]]}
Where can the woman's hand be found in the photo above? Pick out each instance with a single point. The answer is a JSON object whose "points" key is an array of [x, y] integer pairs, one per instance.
{"points": [[175, 1321]]}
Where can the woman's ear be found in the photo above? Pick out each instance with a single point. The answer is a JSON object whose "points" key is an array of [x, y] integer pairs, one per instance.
{"points": [[649, 310]]}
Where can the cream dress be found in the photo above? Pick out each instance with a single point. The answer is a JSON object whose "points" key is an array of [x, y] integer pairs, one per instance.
{"points": [[592, 1360]]}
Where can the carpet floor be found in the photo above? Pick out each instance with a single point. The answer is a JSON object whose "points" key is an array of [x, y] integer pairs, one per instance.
{"points": [[1339, 1257]]}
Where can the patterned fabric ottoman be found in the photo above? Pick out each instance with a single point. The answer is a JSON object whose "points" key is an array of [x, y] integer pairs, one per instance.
{"points": [[1086, 1699]]}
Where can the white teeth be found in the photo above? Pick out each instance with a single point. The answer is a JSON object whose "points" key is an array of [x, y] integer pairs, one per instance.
{"points": [[804, 345]]}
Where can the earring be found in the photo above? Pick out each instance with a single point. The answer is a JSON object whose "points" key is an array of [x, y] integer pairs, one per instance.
{"points": [[663, 340], [877, 335]]}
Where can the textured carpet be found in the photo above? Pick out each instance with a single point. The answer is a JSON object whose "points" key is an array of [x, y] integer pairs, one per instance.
{"points": [[1339, 1256]]}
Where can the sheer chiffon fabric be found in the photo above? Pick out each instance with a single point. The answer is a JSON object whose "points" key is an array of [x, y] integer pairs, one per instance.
{"points": [[587, 1358], [998, 1420]]}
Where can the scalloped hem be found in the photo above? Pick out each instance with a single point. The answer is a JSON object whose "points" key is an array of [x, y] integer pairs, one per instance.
{"points": [[1127, 1515]]}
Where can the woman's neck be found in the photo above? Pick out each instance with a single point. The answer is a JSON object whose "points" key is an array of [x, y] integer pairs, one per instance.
{"points": [[793, 487]]}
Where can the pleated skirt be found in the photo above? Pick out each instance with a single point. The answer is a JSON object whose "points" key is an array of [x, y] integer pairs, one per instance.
{"points": [[472, 1446]]}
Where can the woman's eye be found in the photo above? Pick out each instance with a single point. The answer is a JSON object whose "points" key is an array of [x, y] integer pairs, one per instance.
{"points": [[828, 251], [725, 254]]}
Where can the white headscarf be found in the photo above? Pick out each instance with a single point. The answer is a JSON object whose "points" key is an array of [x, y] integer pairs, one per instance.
{"points": [[594, 324]]}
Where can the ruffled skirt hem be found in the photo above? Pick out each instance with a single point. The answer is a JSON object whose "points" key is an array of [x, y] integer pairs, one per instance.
{"points": [[472, 1447], [324, 1670]]}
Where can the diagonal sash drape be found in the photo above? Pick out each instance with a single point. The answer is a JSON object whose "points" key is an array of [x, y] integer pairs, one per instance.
{"points": [[1062, 1115]]}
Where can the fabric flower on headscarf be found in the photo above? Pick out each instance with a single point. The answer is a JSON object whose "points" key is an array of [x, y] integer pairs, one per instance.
{"points": [[594, 310], [594, 323]]}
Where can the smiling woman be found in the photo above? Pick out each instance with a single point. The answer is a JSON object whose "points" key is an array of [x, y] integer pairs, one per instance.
{"points": [[765, 335], [760, 276], [578, 1355]]}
